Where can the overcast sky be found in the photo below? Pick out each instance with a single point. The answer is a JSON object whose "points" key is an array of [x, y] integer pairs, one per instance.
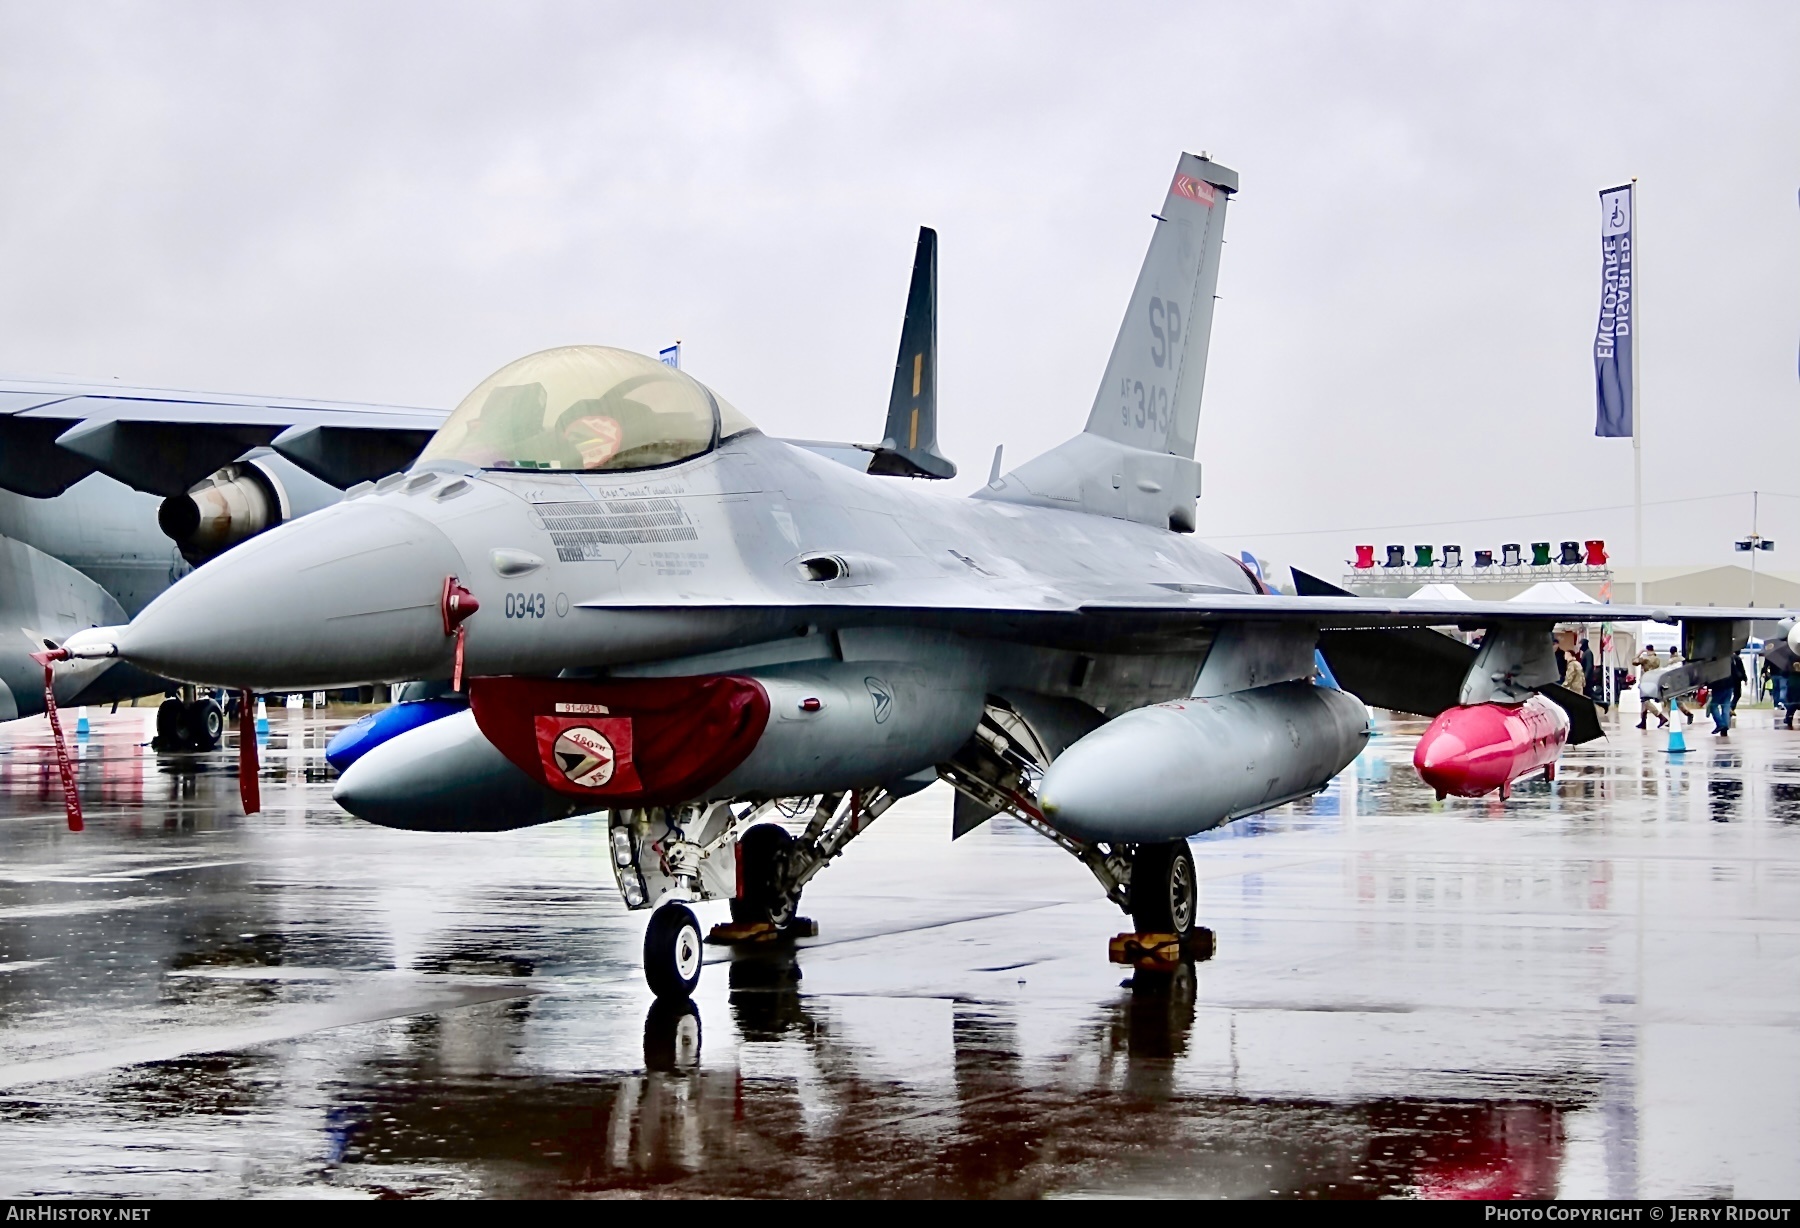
{"points": [[388, 201]]}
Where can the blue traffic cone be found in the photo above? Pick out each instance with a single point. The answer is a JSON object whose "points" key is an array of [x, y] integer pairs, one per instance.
{"points": [[81, 722], [262, 717], [1677, 741]]}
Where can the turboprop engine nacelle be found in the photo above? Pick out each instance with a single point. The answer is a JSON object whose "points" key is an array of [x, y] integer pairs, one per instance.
{"points": [[1169, 771], [533, 750]]}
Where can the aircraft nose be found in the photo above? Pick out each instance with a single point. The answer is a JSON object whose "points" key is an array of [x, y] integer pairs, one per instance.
{"points": [[348, 595]]}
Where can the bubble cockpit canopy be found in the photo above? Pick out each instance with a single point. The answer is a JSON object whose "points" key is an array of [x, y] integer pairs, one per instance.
{"points": [[584, 407]]}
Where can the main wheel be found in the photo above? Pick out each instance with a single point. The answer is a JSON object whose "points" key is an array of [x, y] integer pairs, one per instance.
{"points": [[202, 725], [672, 951], [762, 877], [1164, 890], [168, 724]]}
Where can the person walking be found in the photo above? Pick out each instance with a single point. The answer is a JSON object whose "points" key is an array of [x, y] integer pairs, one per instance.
{"points": [[1574, 677], [1724, 697], [1646, 661], [1789, 682]]}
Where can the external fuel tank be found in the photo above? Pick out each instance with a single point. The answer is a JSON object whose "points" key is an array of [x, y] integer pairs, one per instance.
{"points": [[1174, 769]]}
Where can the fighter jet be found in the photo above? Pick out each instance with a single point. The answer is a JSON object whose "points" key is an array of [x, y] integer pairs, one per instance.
{"points": [[109, 494], [648, 608]]}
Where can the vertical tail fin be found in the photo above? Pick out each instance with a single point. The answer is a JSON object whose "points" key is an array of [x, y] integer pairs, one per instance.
{"points": [[909, 444], [1150, 398]]}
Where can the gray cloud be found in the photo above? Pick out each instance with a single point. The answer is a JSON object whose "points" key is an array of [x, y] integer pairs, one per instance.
{"points": [[389, 201]]}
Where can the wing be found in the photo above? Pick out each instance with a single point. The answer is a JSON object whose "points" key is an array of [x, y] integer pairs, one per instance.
{"points": [[163, 441]]}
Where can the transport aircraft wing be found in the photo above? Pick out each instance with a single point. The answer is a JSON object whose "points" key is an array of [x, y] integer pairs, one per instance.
{"points": [[165, 441]]}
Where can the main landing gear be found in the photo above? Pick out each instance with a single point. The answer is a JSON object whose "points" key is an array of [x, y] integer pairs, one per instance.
{"points": [[667, 858], [189, 724], [999, 770]]}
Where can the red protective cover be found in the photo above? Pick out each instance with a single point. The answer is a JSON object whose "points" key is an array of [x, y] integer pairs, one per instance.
{"points": [[627, 741]]}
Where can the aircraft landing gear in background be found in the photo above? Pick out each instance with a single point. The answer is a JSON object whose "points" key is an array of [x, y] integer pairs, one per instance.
{"points": [[196, 725], [672, 951]]}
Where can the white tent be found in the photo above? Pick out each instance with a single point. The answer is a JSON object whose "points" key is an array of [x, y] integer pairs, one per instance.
{"points": [[1440, 592], [1557, 591]]}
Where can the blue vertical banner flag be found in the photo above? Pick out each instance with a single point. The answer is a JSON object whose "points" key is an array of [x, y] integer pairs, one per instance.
{"points": [[1613, 392], [671, 356]]}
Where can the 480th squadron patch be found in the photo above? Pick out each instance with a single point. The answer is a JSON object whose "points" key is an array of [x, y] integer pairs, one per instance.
{"points": [[585, 756]]}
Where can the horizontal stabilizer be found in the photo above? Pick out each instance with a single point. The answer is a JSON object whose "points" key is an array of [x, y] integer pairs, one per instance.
{"points": [[1414, 669], [1584, 717]]}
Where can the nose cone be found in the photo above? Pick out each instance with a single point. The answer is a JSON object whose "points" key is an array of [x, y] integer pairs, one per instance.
{"points": [[347, 595]]}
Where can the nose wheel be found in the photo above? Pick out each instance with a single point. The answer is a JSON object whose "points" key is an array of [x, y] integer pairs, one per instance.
{"points": [[672, 951]]}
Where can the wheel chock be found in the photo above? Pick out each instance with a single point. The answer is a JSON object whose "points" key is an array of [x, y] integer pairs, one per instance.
{"points": [[1141, 949], [1161, 952], [752, 933], [737, 933]]}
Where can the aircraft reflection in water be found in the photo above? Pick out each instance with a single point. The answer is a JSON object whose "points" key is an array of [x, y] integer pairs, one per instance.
{"points": [[800, 1115], [667, 616], [485, 1036]]}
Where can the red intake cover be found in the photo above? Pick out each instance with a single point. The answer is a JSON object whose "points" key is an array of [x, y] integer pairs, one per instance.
{"points": [[628, 742]]}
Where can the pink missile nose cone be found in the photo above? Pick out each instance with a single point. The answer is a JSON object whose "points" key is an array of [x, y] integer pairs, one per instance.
{"points": [[1438, 748]]}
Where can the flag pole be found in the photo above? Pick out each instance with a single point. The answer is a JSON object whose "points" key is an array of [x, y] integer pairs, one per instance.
{"points": [[1637, 416]]}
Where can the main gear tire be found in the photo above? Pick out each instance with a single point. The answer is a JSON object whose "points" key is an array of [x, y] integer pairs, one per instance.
{"points": [[672, 951], [762, 877], [1165, 892], [202, 725], [169, 716]]}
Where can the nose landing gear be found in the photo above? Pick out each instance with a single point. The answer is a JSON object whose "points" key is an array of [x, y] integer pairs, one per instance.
{"points": [[672, 951]]}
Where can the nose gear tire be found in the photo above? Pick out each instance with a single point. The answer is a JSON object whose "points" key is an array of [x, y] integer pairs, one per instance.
{"points": [[1164, 890], [672, 951]]}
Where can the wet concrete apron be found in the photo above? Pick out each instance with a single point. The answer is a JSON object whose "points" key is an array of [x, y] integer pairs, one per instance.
{"points": [[1592, 991]]}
